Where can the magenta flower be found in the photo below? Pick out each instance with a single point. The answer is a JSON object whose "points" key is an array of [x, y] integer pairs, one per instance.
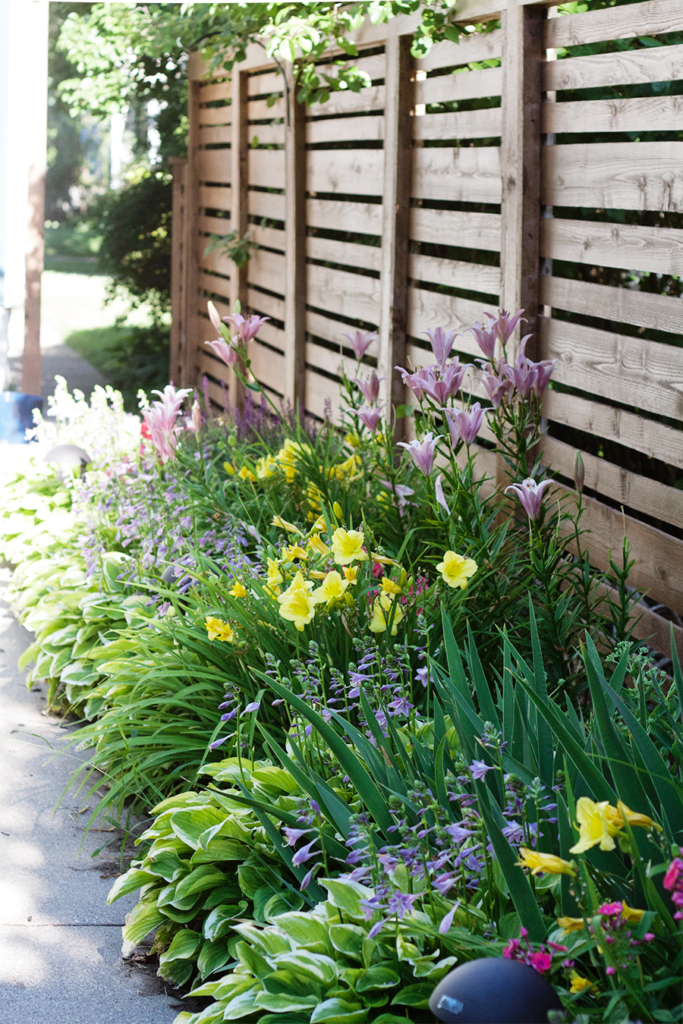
{"points": [[370, 417], [530, 494], [541, 962], [361, 341], [225, 350], [544, 371], [464, 424], [479, 769], [369, 388], [247, 327], [422, 452], [442, 343]]}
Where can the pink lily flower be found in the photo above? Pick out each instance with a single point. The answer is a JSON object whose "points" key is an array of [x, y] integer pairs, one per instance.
{"points": [[464, 424], [422, 452], [196, 416], [225, 350], [485, 337], [215, 318], [504, 325], [361, 341], [449, 384], [247, 327], [496, 388], [530, 494], [369, 388], [370, 416], [442, 343], [415, 381]]}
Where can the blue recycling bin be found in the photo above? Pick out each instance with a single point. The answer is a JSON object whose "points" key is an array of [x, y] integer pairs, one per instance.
{"points": [[16, 415]]}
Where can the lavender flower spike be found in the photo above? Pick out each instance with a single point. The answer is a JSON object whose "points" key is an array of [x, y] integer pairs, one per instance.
{"points": [[530, 494], [422, 452], [361, 341], [442, 343]]}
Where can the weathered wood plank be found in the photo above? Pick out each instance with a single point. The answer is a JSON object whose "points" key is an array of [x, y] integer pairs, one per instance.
{"points": [[266, 305], [627, 428], [275, 336], [646, 374], [294, 381], [214, 115], [215, 261], [465, 85], [273, 238], [469, 49], [459, 228], [215, 285], [428, 309], [348, 171], [626, 67], [215, 91], [240, 198], [267, 134], [348, 102], [267, 204], [213, 165], [267, 168], [349, 129], [644, 113], [322, 395], [642, 309], [325, 359], [333, 330], [215, 197], [207, 364], [267, 366], [214, 225], [212, 134], [362, 218], [266, 83], [614, 175], [636, 492], [633, 247], [179, 169], [653, 18], [349, 254], [191, 243], [259, 110], [470, 174], [267, 269], [454, 273], [374, 66], [463, 124], [341, 292]]}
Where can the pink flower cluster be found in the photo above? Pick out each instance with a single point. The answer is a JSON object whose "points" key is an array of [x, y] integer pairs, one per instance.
{"points": [[541, 960], [160, 420], [247, 328], [499, 378], [371, 413], [673, 883]]}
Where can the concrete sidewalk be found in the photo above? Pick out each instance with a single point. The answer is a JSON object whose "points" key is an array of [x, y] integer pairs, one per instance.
{"points": [[60, 944]]}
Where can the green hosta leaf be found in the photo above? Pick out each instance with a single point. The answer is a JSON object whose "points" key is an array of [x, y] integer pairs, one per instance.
{"points": [[176, 971], [60, 661], [282, 903], [268, 940], [435, 971], [251, 879], [315, 966], [288, 1018], [140, 922], [218, 923], [212, 955], [182, 801], [168, 897], [132, 880], [252, 960], [414, 995], [207, 876], [184, 946], [275, 778], [79, 673], [282, 1003], [166, 863], [348, 939], [377, 977], [242, 1005], [65, 635], [207, 989], [389, 1018], [338, 1011], [179, 916], [307, 930], [284, 982], [221, 850], [347, 896], [223, 894], [28, 655], [234, 985]]}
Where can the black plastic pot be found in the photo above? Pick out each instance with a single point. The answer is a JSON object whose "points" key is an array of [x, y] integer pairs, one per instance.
{"points": [[494, 991]]}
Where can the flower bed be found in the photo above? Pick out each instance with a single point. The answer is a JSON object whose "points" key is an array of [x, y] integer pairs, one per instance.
{"points": [[384, 722]]}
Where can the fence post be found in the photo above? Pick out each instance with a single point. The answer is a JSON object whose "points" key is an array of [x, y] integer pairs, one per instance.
{"points": [[179, 168], [396, 217], [190, 243], [295, 246], [520, 157], [239, 214]]}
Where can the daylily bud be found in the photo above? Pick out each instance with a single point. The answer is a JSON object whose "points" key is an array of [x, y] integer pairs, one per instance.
{"points": [[579, 472]]}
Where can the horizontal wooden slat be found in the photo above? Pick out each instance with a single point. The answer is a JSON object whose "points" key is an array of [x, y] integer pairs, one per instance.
{"points": [[349, 254], [345, 129], [614, 175], [644, 113], [471, 174], [329, 361], [658, 557], [432, 309], [626, 67], [343, 293], [374, 66], [267, 269], [267, 366], [267, 204], [628, 306], [653, 18], [454, 273], [645, 374], [462, 124], [267, 134], [626, 428], [333, 330], [213, 165], [207, 363], [465, 85], [272, 335], [267, 168], [273, 238], [215, 91], [362, 218], [349, 102], [633, 247], [214, 225], [263, 85], [215, 115], [258, 110], [266, 305], [422, 355], [456, 227], [211, 134], [215, 197], [214, 284], [215, 261], [636, 492], [319, 392], [349, 171], [475, 47]]}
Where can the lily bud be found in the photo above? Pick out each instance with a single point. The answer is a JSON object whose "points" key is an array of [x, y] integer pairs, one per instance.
{"points": [[579, 472]]}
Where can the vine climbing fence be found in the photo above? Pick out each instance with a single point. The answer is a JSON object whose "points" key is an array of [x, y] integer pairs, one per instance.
{"points": [[536, 165]]}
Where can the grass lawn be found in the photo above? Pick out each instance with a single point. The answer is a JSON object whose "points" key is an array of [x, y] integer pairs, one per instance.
{"points": [[128, 357]]}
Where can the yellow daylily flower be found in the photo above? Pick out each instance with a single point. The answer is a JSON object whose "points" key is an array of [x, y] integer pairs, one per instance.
{"points": [[239, 590], [570, 924], [383, 559], [338, 511], [631, 913], [354, 440], [297, 605], [348, 467], [594, 826], [390, 586], [333, 588], [545, 862], [617, 815], [319, 524], [246, 474], [579, 984], [274, 574], [351, 573], [219, 630], [294, 551], [284, 525], [316, 574], [265, 467], [229, 468], [456, 570], [314, 496], [347, 546], [317, 545], [385, 611]]}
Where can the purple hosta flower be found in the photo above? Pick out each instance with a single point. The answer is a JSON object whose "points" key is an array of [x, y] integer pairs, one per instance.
{"points": [[496, 388], [400, 706], [514, 833], [444, 883], [225, 350], [464, 424], [442, 343], [415, 381], [218, 743], [370, 417], [485, 337], [447, 919], [401, 491], [229, 715], [361, 342], [369, 388], [530, 494], [305, 853], [294, 834], [253, 706], [479, 769], [457, 832], [401, 903], [358, 875], [422, 452], [247, 327], [388, 861], [373, 904], [376, 929], [504, 325]]}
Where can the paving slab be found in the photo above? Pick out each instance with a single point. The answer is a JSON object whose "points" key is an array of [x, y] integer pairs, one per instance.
{"points": [[60, 944]]}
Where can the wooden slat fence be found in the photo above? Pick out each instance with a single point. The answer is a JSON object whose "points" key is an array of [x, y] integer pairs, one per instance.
{"points": [[504, 170]]}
